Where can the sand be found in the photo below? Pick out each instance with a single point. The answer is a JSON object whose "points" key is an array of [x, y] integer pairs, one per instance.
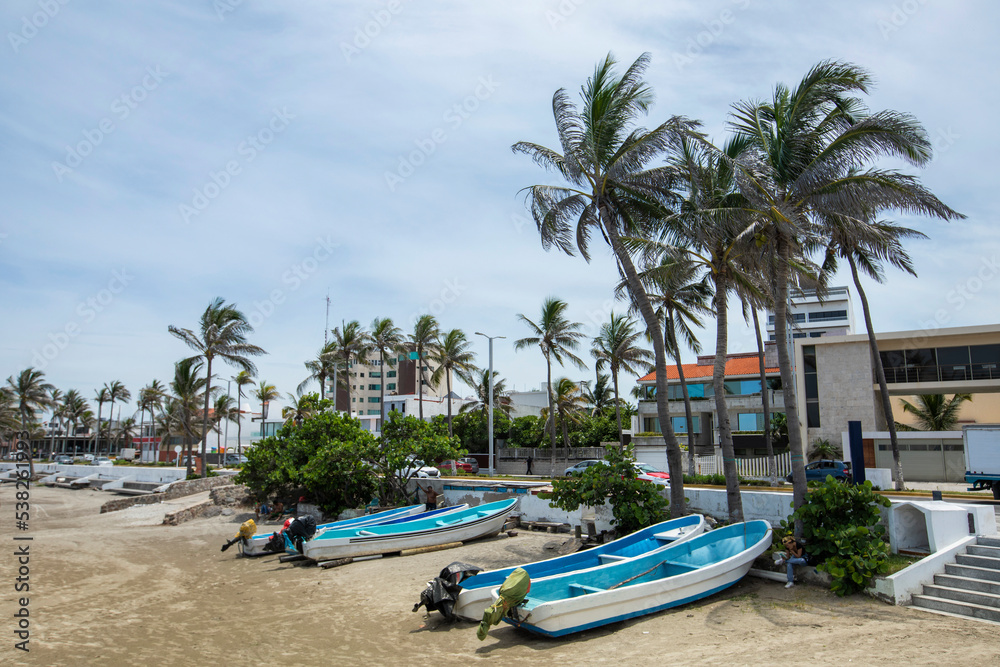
{"points": [[120, 589]]}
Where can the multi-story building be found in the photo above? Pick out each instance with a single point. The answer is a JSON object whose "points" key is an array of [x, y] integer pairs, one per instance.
{"points": [[814, 316], [400, 378]]}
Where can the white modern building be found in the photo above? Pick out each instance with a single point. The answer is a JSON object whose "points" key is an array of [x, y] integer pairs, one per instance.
{"points": [[814, 316]]}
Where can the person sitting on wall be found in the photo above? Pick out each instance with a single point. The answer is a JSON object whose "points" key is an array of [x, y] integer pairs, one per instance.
{"points": [[794, 554]]}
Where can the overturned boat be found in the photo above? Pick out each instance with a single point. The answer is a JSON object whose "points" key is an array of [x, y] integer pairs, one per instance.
{"points": [[458, 526], [477, 595], [682, 573]]}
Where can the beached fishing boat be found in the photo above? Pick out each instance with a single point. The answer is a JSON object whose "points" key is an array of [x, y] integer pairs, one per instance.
{"points": [[255, 545], [468, 524], [440, 512], [681, 573], [477, 595]]}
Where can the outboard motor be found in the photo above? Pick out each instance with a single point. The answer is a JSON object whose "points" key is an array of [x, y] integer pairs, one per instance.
{"points": [[300, 530], [441, 593]]}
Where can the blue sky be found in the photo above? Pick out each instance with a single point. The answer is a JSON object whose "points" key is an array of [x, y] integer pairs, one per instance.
{"points": [[160, 154]]}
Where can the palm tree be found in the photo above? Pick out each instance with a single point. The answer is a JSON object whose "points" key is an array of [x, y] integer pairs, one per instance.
{"points": [[823, 449], [242, 379], [56, 405], [321, 368], [222, 333], [612, 191], [299, 409], [386, 339], [600, 395], [933, 412], [615, 347], [117, 392], [224, 407], [265, 393], [556, 336], [30, 392], [180, 413], [75, 409], [867, 245], [350, 346], [569, 404], [810, 153], [424, 340], [102, 396], [480, 383], [125, 432], [151, 398], [452, 353]]}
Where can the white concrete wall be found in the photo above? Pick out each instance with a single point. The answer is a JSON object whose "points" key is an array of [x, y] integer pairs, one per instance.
{"points": [[899, 588], [141, 474]]}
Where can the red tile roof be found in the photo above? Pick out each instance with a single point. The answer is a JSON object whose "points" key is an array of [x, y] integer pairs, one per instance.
{"points": [[737, 365]]}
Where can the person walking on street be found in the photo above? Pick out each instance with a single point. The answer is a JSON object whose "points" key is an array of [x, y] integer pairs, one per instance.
{"points": [[528, 471]]}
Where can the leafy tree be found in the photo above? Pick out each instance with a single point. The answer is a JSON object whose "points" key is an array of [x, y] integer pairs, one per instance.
{"points": [[526, 431], [840, 523], [635, 503], [933, 412], [299, 408], [471, 429], [405, 438], [592, 430], [222, 332]]}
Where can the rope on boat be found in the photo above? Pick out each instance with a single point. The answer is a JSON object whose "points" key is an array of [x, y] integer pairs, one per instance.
{"points": [[636, 576]]}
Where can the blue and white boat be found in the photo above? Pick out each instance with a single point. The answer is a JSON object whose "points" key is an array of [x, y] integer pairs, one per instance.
{"points": [[255, 545], [440, 512], [477, 595], [459, 526], [567, 603]]}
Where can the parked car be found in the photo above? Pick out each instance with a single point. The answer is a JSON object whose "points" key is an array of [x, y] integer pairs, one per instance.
{"points": [[473, 464], [235, 459], [459, 465], [818, 470], [417, 468], [651, 474], [580, 467], [102, 461], [64, 459]]}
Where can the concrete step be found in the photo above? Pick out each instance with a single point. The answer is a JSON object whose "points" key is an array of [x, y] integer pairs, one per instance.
{"points": [[127, 491], [978, 561], [955, 607], [963, 595], [993, 541], [972, 571], [983, 550], [968, 583]]}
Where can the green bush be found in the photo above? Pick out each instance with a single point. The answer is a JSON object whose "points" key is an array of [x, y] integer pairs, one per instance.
{"points": [[840, 524], [635, 503]]}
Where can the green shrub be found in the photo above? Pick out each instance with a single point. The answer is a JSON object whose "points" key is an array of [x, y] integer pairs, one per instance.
{"points": [[635, 503], [840, 524]]}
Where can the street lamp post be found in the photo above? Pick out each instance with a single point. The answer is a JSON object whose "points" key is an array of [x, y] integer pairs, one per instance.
{"points": [[490, 397]]}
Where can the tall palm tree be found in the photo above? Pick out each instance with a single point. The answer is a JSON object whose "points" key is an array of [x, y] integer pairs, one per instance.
{"points": [[74, 409], [242, 379], [223, 407], [556, 336], [125, 432], [351, 346], [612, 191], [56, 405], [424, 340], [321, 368], [30, 392], [181, 410], [299, 409], [102, 396], [117, 393], [569, 405], [615, 347], [386, 339], [452, 354], [480, 383], [933, 412], [600, 395], [867, 246], [265, 393], [222, 333], [811, 153], [151, 399]]}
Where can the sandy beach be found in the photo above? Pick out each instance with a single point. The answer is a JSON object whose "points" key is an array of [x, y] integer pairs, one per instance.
{"points": [[121, 589]]}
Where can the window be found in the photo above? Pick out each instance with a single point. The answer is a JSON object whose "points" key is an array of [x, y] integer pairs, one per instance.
{"points": [[390, 374], [373, 399], [361, 374], [798, 317], [681, 425], [650, 425], [816, 334], [750, 421], [374, 412], [391, 386], [812, 385], [798, 335], [826, 315], [375, 374], [374, 387]]}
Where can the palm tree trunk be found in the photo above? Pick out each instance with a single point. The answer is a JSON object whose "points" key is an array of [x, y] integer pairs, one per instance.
{"points": [[672, 344], [142, 423], [204, 428], [550, 423], [733, 496], [618, 410], [765, 400], [239, 420], [381, 388], [675, 463], [787, 380], [880, 376], [27, 436], [322, 388], [419, 381], [447, 377], [97, 433]]}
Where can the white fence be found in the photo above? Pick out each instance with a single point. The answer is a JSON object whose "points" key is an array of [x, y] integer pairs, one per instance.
{"points": [[755, 468]]}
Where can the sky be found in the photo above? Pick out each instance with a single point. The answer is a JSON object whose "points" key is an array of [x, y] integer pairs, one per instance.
{"points": [[158, 155]]}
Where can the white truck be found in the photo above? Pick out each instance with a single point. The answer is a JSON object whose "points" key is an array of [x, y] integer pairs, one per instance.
{"points": [[982, 457]]}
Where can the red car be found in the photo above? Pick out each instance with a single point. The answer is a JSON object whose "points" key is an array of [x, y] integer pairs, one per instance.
{"points": [[446, 466], [650, 474]]}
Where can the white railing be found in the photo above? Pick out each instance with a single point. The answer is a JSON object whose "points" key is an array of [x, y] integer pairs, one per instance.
{"points": [[751, 468]]}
